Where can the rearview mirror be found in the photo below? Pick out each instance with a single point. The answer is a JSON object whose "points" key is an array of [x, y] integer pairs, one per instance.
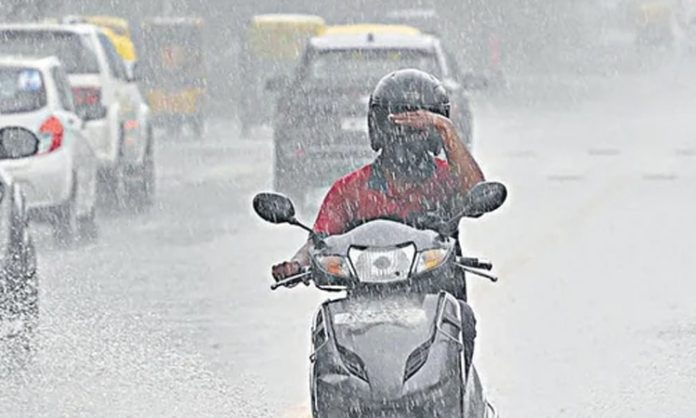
{"points": [[274, 208], [483, 198], [17, 143]]}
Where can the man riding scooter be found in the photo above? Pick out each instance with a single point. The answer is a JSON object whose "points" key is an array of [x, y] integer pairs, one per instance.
{"points": [[409, 124]]}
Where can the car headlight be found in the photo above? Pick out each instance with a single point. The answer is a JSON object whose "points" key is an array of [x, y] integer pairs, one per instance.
{"points": [[430, 259], [382, 265], [334, 265]]}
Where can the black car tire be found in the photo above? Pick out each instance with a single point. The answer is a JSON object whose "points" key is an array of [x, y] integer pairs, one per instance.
{"points": [[29, 311], [65, 222], [21, 272], [111, 185], [88, 229], [140, 187]]}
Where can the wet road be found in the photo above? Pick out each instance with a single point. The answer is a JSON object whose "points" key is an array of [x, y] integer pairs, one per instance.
{"points": [[169, 314]]}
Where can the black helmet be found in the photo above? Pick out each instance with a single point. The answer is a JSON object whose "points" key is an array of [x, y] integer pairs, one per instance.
{"points": [[402, 91]]}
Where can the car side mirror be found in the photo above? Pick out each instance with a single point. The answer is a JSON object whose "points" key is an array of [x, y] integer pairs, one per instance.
{"points": [[274, 208], [471, 81], [277, 83], [132, 72], [17, 143]]}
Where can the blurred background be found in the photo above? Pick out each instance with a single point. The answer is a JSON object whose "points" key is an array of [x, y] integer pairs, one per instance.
{"points": [[590, 36]]}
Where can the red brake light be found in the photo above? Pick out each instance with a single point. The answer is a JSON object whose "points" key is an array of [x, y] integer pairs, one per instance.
{"points": [[86, 96], [130, 124], [54, 130]]}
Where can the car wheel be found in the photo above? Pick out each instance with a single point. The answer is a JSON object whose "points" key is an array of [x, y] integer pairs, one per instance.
{"points": [[88, 230], [65, 221], [112, 187], [141, 185], [111, 181], [29, 311], [23, 302]]}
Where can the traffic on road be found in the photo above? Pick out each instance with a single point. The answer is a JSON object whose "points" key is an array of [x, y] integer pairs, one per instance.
{"points": [[379, 222]]}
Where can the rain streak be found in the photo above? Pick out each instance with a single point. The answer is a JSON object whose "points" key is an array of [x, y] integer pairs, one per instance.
{"points": [[347, 209]]}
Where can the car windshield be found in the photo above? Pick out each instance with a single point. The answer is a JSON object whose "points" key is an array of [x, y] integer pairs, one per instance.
{"points": [[353, 66], [21, 90], [77, 58]]}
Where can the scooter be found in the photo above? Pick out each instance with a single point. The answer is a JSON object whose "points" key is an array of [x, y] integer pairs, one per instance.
{"points": [[393, 346]]}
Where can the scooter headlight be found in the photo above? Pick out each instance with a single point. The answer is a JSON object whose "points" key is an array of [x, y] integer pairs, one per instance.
{"points": [[382, 265], [430, 259], [334, 265]]}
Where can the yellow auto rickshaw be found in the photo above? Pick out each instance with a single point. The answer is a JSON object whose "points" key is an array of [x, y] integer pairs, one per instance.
{"points": [[172, 71], [654, 22], [118, 32], [273, 45]]}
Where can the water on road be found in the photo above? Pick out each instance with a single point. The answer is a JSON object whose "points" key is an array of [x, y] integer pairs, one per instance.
{"points": [[170, 314]]}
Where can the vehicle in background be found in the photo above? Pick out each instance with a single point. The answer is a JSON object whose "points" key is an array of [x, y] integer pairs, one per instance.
{"points": [[654, 22], [430, 22], [44, 147], [273, 45], [363, 28], [173, 72], [19, 282], [116, 117], [119, 33], [320, 124], [426, 20]]}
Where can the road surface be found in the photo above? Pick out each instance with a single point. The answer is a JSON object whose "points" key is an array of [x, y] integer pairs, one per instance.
{"points": [[170, 314]]}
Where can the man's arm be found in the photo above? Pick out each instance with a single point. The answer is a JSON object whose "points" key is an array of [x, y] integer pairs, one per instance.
{"points": [[332, 215], [302, 255], [465, 170]]}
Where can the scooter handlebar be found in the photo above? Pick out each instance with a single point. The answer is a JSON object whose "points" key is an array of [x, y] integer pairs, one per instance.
{"points": [[291, 281], [475, 263]]}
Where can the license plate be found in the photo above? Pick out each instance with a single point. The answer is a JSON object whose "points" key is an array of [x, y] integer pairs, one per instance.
{"points": [[354, 124], [399, 317]]}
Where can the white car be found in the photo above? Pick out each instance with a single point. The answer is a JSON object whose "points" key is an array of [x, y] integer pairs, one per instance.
{"points": [[43, 147], [116, 116]]}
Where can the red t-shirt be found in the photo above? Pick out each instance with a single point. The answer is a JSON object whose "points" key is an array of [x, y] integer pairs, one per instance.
{"points": [[364, 195]]}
